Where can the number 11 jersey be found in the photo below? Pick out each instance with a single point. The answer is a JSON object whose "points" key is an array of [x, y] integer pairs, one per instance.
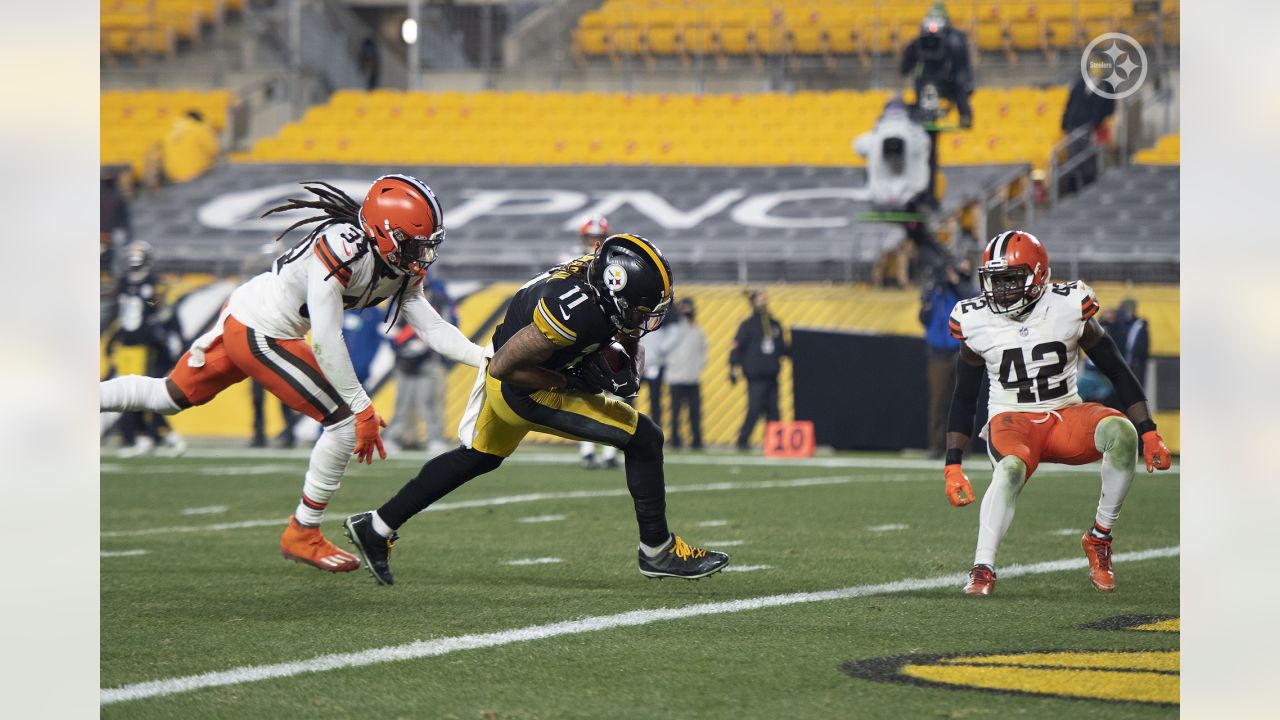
{"points": [[1032, 361]]}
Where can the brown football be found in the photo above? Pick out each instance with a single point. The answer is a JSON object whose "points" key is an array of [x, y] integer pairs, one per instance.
{"points": [[615, 355]]}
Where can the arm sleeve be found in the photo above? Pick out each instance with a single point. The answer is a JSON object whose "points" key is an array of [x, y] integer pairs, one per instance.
{"points": [[443, 337], [964, 401], [324, 304], [1107, 358]]}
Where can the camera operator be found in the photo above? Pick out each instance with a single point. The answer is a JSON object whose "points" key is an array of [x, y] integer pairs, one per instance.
{"points": [[938, 61]]}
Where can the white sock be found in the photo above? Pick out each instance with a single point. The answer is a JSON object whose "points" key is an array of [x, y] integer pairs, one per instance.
{"points": [[610, 452], [997, 508], [380, 526], [1117, 440], [586, 449], [329, 460], [136, 393], [653, 552]]}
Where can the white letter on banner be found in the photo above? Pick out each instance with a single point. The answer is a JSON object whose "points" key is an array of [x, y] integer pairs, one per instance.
{"points": [[656, 208], [513, 202], [754, 211]]}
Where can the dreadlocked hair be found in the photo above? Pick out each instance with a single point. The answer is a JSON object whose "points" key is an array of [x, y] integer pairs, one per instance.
{"points": [[336, 207]]}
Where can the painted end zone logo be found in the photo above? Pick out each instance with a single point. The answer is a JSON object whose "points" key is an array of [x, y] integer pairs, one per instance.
{"points": [[1140, 676]]}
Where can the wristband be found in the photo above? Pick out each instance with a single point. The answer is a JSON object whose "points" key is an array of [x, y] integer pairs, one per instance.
{"points": [[1146, 426], [954, 455]]}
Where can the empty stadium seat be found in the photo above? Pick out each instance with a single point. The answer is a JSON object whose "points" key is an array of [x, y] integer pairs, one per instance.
{"points": [[133, 122], [750, 27], [491, 128]]}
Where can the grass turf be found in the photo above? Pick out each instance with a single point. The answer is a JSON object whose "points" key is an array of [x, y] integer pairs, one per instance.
{"points": [[214, 600]]}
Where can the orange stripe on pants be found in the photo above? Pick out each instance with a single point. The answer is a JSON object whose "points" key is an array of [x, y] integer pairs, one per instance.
{"points": [[232, 357]]}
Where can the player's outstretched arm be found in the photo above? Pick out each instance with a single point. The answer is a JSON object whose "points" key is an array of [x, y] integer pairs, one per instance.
{"points": [[517, 362], [324, 306], [440, 334], [964, 403], [1105, 355]]}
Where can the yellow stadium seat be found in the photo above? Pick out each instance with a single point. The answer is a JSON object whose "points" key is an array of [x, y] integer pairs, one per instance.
{"points": [[662, 40]]}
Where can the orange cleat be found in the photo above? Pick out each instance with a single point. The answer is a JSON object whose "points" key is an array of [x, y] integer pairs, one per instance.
{"points": [[308, 545], [1099, 554], [982, 581]]}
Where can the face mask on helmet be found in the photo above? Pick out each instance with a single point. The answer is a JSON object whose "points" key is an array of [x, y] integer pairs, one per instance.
{"points": [[415, 252], [1007, 289], [640, 320]]}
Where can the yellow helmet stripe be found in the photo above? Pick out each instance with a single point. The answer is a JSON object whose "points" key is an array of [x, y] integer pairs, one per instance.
{"points": [[662, 267]]}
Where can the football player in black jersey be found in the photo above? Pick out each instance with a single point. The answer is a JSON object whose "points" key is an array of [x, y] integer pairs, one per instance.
{"points": [[547, 374]]}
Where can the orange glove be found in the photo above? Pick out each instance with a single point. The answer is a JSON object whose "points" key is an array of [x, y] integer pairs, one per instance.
{"points": [[1154, 451], [369, 435], [959, 491]]}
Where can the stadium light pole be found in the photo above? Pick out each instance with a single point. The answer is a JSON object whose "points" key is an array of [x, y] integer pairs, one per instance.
{"points": [[409, 32]]}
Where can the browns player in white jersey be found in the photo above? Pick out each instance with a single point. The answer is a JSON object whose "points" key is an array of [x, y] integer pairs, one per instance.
{"points": [[1028, 334], [356, 257]]}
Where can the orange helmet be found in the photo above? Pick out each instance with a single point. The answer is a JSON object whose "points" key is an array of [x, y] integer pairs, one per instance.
{"points": [[594, 230], [1014, 271], [402, 215]]}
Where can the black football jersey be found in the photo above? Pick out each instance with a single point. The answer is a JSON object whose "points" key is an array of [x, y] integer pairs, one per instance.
{"points": [[562, 306]]}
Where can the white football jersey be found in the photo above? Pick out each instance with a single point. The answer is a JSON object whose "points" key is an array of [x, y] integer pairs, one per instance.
{"points": [[275, 302], [1031, 361]]}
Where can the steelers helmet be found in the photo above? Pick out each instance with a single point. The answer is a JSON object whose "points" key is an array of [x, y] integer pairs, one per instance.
{"points": [[633, 283]]}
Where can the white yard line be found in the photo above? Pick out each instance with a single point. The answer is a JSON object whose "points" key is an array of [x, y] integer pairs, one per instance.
{"points": [[534, 561], [1064, 532], [747, 568], [712, 523], [206, 510], [716, 544], [536, 457], [888, 527], [536, 497], [447, 645], [541, 518], [122, 553]]}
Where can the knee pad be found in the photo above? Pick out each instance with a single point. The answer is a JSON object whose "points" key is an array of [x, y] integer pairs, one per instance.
{"points": [[1116, 434], [646, 443], [343, 434], [475, 462], [1015, 470]]}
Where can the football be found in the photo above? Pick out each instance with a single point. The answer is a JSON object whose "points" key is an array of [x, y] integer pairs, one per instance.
{"points": [[615, 355]]}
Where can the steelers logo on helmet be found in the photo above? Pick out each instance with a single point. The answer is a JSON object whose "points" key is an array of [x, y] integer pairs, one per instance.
{"points": [[615, 277], [633, 281]]}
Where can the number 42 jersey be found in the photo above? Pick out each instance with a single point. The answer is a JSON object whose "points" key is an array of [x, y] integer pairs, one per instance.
{"points": [[1032, 361]]}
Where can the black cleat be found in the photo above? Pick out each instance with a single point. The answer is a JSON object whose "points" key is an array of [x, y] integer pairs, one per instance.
{"points": [[589, 462], [612, 463], [680, 560], [372, 547]]}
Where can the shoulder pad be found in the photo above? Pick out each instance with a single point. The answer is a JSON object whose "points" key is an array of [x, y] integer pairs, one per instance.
{"points": [[1079, 291], [954, 324], [338, 247]]}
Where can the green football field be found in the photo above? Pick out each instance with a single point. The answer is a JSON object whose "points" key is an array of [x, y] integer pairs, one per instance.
{"points": [[518, 596]]}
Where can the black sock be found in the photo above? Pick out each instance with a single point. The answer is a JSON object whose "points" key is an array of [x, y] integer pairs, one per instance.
{"points": [[440, 476], [646, 482]]}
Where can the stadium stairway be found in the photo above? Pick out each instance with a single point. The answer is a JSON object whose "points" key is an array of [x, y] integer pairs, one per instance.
{"points": [[1129, 215], [720, 309]]}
